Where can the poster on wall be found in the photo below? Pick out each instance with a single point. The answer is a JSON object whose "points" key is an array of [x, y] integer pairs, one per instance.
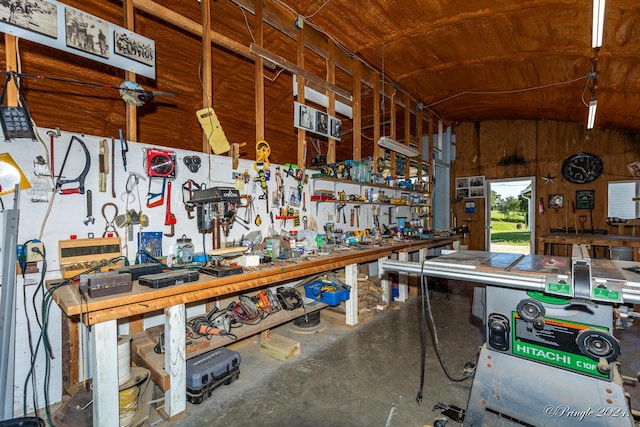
{"points": [[316, 121], [470, 187], [65, 28]]}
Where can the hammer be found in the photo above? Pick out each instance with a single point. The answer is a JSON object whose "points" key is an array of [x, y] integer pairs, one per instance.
{"points": [[357, 208]]}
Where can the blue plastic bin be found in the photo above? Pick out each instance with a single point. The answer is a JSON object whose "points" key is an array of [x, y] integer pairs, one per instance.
{"points": [[313, 290]]}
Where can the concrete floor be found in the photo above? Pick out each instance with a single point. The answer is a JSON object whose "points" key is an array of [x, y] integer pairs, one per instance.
{"points": [[367, 375]]}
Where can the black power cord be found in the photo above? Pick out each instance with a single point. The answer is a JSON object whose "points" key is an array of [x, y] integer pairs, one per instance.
{"points": [[432, 324]]}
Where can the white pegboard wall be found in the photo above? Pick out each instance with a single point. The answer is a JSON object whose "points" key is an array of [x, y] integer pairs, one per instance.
{"points": [[67, 214]]}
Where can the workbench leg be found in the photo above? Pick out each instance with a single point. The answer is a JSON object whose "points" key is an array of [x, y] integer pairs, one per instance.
{"points": [[175, 399], [351, 279], [105, 374], [403, 279], [384, 282]]}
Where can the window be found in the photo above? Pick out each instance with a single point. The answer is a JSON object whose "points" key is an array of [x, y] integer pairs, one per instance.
{"points": [[621, 203]]}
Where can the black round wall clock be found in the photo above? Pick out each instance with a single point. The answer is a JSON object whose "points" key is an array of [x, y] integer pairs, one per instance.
{"points": [[582, 168]]}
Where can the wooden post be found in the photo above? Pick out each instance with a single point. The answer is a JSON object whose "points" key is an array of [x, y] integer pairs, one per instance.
{"points": [[302, 134], [351, 279], [12, 65], [331, 97], [175, 399], [357, 113], [207, 79], [259, 72], [392, 132], [419, 141], [104, 341], [377, 152], [130, 109], [407, 132]]}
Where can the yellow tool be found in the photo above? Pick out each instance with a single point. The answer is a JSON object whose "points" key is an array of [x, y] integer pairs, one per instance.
{"points": [[213, 130]]}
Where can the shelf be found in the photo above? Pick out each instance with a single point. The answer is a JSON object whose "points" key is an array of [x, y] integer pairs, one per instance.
{"points": [[369, 184], [142, 344]]}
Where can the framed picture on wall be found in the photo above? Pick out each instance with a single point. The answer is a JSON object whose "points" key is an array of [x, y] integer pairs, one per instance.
{"points": [[36, 15], [556, 201], [585, 199], [86, 32]]}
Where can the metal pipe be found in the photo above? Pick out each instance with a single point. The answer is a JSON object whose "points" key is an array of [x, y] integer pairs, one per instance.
{"points": [[527, 282]]}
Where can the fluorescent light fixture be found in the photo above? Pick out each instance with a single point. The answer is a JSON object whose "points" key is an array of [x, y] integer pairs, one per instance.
{"points": [[598, 23], [593, 105], [390, 144], [319, 98]]}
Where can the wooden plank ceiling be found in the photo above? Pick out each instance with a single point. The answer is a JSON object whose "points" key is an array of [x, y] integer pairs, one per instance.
{"points": [[463, 61]]}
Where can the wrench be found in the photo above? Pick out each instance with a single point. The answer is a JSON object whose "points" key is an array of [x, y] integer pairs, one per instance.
{"points": [[89, 219]]}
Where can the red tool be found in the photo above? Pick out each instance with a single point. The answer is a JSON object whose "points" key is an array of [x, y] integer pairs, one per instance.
{"points": [[170, 218]]}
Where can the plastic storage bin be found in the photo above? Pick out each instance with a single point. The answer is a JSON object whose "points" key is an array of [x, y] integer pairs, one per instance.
{"points": [[314, 290]]}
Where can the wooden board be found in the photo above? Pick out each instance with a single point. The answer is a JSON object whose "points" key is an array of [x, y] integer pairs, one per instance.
{"points": [[280, 347]]}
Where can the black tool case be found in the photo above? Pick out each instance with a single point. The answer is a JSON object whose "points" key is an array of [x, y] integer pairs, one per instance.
{"points": [[161, 280], [207, 372]]}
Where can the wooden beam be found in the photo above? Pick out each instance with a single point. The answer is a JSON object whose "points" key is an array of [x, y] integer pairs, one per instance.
{"points": [[392, 133], [259, 76], [173, 18], [299, 71], [131, 111], [283, 22], [207, 73], [357, 113], [331, 98]]}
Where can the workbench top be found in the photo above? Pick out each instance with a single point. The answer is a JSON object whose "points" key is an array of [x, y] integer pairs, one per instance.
{"points": [[143, 299]]}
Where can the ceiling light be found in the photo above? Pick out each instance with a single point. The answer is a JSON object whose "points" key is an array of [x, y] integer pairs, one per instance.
{"points": [[593, 105], [598, 23], [390, 144]]}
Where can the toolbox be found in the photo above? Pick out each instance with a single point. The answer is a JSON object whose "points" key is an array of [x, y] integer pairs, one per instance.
{"points": [[162, 280], [207, 372], [326, 292]]}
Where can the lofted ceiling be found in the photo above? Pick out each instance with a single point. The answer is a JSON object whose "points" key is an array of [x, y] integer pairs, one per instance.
{"points": [[460, 61], [501, 59], [495, 59]]}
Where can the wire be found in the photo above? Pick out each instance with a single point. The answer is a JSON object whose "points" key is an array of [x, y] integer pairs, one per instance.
{"points": [[425, 296], [498, 92], [247, 24], [317, 10]]}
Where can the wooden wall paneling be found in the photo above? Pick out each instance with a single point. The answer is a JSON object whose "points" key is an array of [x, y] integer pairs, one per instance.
{"points": [[331, 97], [357, 112], [173, 18], [302, 134], [259, 72]]}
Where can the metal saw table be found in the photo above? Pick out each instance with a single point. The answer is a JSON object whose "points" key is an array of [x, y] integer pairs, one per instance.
{"points": [[550, 353]]}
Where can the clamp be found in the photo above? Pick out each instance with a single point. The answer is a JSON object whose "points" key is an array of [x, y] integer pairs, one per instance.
{"points": [[80, 179], [110, 225]]}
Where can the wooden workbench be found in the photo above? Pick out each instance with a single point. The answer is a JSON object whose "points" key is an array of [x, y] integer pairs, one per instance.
{"points": [[546, 242], [103, 313]]}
